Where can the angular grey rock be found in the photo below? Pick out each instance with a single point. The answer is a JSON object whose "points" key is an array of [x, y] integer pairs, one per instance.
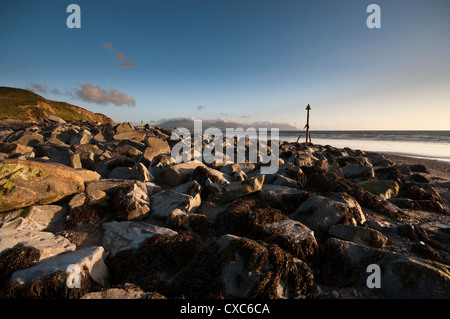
{"points": [[236, 190], [15, 233], [319, 213], [125, 235], [185, 197], [56, 119], [178, 174], [89, 260], [286, 181], [132, 203]]}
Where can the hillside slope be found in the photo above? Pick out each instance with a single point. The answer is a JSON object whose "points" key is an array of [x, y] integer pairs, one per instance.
{"points": [[20, 104]]}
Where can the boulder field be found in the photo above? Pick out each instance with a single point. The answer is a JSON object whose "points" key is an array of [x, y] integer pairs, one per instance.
{"points": [[103, 211]]}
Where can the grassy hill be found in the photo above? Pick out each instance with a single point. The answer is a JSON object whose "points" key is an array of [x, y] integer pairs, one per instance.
{"points": [[20, 104]]}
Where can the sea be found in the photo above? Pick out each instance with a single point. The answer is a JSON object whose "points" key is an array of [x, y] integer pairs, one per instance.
{"points": [[419, 144]]}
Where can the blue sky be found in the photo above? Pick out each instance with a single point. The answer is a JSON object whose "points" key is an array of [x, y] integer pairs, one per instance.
{"points": [[247, 60]]}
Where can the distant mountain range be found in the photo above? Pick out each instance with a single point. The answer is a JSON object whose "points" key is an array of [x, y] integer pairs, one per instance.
{"points": [[20, 104], [224, 124]]}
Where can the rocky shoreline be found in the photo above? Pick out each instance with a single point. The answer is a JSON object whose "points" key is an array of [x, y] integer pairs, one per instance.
{"points": [[103, 212]]}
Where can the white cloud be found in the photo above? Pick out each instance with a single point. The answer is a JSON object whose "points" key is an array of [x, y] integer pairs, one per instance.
{"points": [[95, 94]]}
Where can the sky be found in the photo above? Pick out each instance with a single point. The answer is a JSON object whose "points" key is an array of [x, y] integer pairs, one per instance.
{"points": [[251, 61]]}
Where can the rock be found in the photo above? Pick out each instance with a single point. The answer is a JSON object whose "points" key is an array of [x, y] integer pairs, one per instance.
{"points": [[77, 201], [403, 168], [283, 196], [410, 277], [55, 119], [178, 174], [231, 169], [330, 182], [416, 191], [24, 183], [155, 147], [359, 235], [83, 137], [26, 138], [14, 149], [390, 173], [89, 154], [286, 181], [130, 235], [120, 173], [160, 164], [185, 197], [379, 160], [427, 205], [293, 237], [154, 266], [141, 173], [356, 171], [127, 150], [383, 188], [15, 233], [88, 262], [344, 263], [109, 186], [46, 215], [236, 190], [202, 174], [177, 219], [56, 153], [123, 127], [319, 213], [132, 203], [105, 167], [238, 267], [75, 161], [88, 175], [130, 135], [418, 168]]}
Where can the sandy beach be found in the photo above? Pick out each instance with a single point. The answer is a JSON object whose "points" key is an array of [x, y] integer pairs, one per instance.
{"points": [[439, 169]]}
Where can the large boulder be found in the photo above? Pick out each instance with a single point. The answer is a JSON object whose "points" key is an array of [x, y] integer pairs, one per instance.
{"points": [[24, 183], [237, 267], [359, 235], [383, 188], [17, 232], [62, 275], [319, 212], [410, 277], [155, 147], [358, 171], [26, 138], [238, 189], [185, 197], [132, 203], [130, 235], [178, 174]]}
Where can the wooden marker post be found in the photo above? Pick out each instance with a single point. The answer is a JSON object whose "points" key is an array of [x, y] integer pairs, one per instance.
{"points": [[308, 135]]}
